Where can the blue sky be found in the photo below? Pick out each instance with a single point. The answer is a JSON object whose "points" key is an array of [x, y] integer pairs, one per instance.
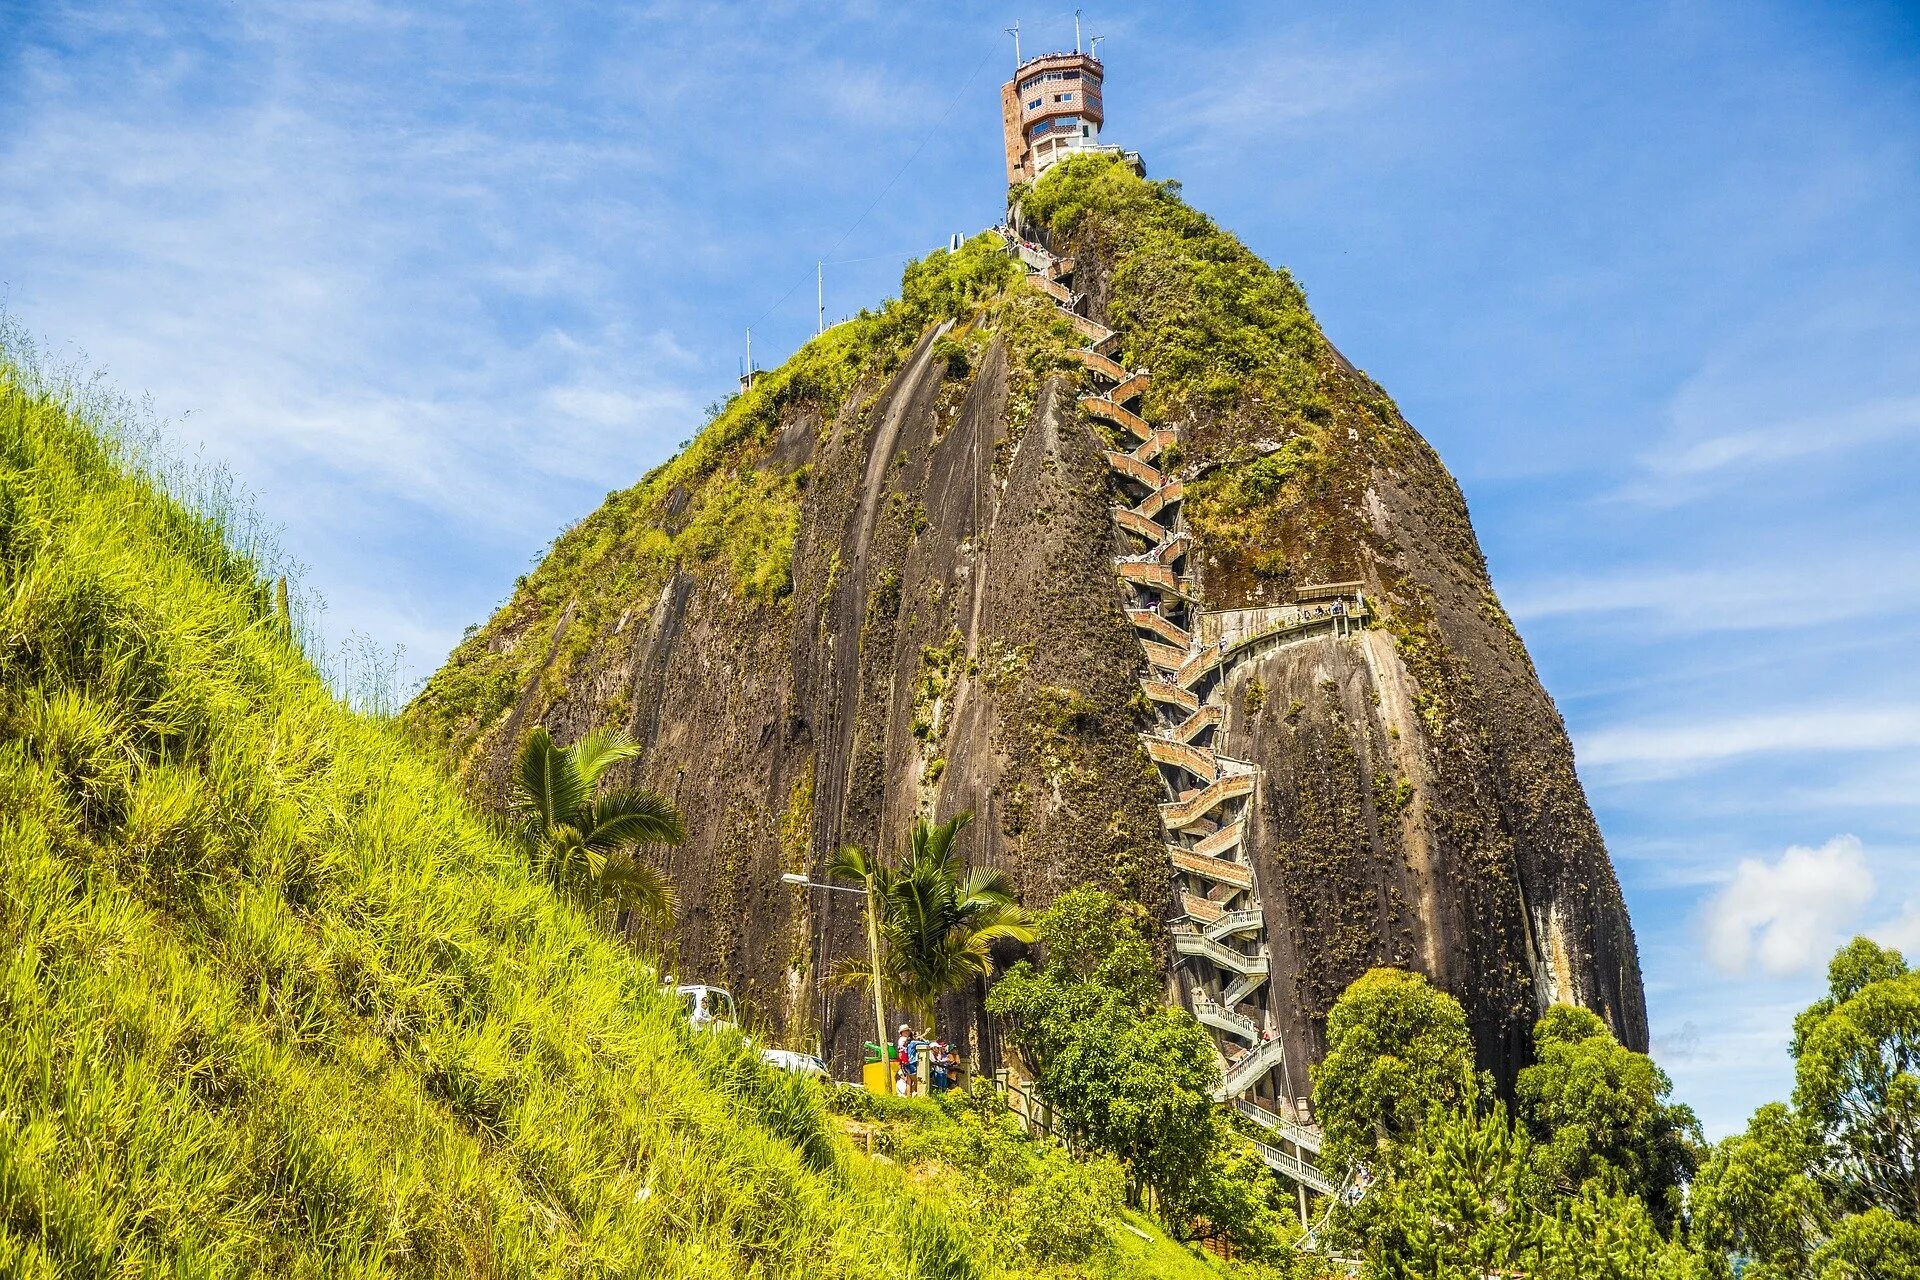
{"points": [[432, 279]]}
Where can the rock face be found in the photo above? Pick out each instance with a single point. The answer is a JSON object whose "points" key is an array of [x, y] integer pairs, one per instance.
{"points": [[942, 628]]}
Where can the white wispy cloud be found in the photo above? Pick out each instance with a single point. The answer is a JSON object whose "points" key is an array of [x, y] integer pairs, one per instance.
{"points": [[1852, 583], [1675, 746], [1256, 91], [1847, 427], [1684, 467], [1787, 915], [346, 294], [1817, 389]]}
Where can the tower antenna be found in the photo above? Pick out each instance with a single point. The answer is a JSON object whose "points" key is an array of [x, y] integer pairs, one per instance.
{"points": [[1014, 31], [1076, 31], [1093, 47], [820, 298]]}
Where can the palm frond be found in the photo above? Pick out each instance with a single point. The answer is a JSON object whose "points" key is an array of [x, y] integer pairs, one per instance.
{"points": [[600, 751], [933, 841], [549, 787], [629, 883], [850, 863], [622, 818], [989, 886]]}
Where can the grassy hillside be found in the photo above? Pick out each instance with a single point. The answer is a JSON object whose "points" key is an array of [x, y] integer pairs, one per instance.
{"points": [[277, 1002]]}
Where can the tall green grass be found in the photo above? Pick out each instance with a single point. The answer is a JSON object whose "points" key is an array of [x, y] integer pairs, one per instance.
{"points": [[275, 1001]]}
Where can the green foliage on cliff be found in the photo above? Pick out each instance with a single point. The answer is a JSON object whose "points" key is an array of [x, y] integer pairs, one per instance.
{"points": [[730, 503], [1213, 322], [1271, 417], [1229, 340], [277, 1002]]}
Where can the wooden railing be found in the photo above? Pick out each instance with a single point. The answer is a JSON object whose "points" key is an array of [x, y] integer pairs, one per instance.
{"points": [[1177, 814], [1237, 874]]}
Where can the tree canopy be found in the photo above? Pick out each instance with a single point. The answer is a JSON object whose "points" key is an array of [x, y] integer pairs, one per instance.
{"points": [[1596, 1109], [1397, 1047], [1128, 1075], [1825, 1189]]}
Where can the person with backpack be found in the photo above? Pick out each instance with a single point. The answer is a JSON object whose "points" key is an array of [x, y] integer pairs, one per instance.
{"points": [[903, 1081]]}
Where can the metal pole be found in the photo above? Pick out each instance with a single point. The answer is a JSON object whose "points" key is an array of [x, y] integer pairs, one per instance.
{"points": [[749, 358], [1014, 31], [1076, 31], [820, 297]]}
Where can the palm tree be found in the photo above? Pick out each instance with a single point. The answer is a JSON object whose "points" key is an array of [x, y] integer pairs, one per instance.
{"points": [[938, 921], [585, 842], [853, 864]]}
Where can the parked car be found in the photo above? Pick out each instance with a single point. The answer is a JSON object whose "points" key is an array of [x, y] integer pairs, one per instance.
{"points": [[707, 1006], [801, 1064]]}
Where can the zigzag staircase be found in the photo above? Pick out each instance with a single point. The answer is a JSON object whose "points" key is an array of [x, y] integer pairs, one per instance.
{"points": [[1221, 945]]}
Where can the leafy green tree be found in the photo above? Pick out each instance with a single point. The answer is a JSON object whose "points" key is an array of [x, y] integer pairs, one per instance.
{"points": [[1457, 1206], [1396, 1048], [1128, 1075], [1857, 1078], [1874, 1245], [1757, 1196], [1596, 1109], [1463, 1202], [586, 842], [1827, 1189], [1607, 1235]]}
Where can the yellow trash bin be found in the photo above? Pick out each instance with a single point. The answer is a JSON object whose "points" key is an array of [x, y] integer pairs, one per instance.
{"points": [[878, 1077]]}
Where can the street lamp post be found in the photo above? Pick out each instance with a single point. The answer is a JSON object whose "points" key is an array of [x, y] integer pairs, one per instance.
{"points": [[873, 950]]}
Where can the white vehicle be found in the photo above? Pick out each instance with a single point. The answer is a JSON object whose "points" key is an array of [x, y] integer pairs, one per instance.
{"points": [[707, 1006], [801, 1064]]}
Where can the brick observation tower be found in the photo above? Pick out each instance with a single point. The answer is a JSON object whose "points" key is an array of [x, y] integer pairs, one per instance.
{"points": [[1052, 109], [1049, 110]]}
